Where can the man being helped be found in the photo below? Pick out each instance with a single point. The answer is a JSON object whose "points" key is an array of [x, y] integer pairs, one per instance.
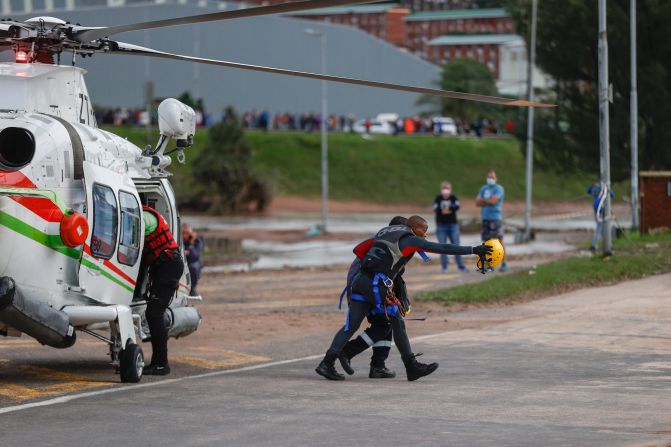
{"points": [[391, 250], [161, 254], [380, 327]]}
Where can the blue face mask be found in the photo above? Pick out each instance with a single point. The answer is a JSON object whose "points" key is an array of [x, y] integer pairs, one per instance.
{"points": [[491, 182]]}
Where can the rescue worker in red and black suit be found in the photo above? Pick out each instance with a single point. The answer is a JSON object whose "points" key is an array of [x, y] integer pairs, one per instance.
{"points": [[392, 249], [162, 256], [380, 327]]}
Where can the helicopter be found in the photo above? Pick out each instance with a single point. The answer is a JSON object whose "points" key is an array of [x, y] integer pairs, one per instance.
{"points": [[71, 227]]}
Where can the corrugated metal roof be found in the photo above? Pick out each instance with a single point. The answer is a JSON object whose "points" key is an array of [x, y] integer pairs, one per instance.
{"points": [[483, 13], [355, 9], [474, 39]]}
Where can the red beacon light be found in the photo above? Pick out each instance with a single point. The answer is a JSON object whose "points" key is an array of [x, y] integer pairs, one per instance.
{"points": [[21, 57]]}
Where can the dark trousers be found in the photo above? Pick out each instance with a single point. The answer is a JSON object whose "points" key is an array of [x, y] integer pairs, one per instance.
{"points": [[357, 312], [194, 273], [164, 275]]}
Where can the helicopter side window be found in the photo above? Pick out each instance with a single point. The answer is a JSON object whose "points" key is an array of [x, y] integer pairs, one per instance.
{"points": [[103, 239], [129, 243]]}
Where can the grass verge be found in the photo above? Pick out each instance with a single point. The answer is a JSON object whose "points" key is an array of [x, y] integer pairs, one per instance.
{"points": [[635, 257]]}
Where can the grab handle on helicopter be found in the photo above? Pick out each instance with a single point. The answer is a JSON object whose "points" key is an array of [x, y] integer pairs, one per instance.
{"points": [[39, 193]]}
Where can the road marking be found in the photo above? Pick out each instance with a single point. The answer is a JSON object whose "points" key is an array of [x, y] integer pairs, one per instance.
{"points": [[68, 383], [132, 388], [232, 358]]}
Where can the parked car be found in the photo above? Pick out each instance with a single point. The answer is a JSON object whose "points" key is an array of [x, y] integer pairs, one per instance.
{"points": [[443, 125], [376, 127]]}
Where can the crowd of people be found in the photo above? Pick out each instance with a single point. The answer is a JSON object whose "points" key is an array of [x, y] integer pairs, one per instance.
{"points": [[311, 122]]}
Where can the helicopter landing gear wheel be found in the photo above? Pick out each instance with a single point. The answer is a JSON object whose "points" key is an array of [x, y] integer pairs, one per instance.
{"points": [[131, 363]]}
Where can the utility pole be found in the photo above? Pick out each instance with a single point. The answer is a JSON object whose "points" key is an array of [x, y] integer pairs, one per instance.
{"points": [[604, 99], [530, 122], [634, 121], [324, 132]]}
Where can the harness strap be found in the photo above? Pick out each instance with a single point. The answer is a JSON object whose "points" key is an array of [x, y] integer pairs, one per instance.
{"points": [[342, 295]]}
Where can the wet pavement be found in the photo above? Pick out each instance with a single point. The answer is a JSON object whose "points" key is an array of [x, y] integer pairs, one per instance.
{"points": [[587, 368]]}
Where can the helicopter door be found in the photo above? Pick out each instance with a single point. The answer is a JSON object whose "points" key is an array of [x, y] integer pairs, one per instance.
{"points": [[111, 258]]}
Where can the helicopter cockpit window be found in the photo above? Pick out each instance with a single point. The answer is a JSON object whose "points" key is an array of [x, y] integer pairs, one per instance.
{"points": [[103, 239], [129, 243]]}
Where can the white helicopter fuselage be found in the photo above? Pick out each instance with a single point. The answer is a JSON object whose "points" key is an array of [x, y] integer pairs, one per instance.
{"points": [[75, 167]]}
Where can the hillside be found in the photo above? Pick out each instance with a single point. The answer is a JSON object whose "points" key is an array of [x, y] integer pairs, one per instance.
{"points": [[386, 169]]}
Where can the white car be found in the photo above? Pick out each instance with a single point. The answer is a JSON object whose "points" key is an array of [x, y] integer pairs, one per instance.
{"points": [[376, 127], [444, 125]]}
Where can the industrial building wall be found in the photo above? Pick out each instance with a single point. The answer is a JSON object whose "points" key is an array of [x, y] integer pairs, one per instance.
{"points": [[275, 41]]}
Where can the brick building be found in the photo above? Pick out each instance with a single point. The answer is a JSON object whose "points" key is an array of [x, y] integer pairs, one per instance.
{"points": [[655, 200], [422, 27], [385, 21]]}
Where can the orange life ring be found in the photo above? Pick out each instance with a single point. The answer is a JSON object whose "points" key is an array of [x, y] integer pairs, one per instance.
{"points": [[74, 229]]}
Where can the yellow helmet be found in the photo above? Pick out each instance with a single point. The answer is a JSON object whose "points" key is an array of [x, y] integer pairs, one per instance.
{"points": [[496, 257]]}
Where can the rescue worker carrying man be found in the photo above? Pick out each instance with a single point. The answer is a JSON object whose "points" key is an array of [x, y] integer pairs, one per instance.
{"points": [[161, 255], [372, 289]]}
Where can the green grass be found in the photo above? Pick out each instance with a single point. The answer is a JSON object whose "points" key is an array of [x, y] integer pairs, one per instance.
{"points": [[635, 257], [386, 169]]}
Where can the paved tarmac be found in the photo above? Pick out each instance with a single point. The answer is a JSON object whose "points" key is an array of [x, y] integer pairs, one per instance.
{"points": [[589, 368]]}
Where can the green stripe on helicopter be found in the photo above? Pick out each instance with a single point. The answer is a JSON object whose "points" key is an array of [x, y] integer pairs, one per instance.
{"points": [[52, 241], [93, 266]]}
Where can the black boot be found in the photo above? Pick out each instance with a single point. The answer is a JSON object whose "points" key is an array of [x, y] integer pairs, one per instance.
{"points": [[415, 369], [345, 363], [327, 367], [381, 372], [155, 370]]}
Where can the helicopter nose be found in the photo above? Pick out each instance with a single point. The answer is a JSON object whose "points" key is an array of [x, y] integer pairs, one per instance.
{"points": [[17, 148]]}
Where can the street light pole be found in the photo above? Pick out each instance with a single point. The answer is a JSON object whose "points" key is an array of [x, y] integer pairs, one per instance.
{"points": [[634, 121], [530, 122], [324, 132], [604, 132]]}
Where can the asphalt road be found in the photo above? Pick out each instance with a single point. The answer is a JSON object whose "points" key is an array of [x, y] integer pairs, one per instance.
{"points": [[589, 368]]}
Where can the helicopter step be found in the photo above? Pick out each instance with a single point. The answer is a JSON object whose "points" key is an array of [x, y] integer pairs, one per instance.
{"points": [[44, 323]]}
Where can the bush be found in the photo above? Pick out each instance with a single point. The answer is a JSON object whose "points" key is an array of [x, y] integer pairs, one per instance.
{"points": [[223, 176]]}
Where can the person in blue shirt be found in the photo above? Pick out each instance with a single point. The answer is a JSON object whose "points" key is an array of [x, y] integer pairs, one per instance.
{"points": [[490, 199], [597, 198]]}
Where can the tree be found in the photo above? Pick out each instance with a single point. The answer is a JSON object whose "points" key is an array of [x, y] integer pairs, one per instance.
{"points": [[223, 171], [463, 75], [568, 137]]}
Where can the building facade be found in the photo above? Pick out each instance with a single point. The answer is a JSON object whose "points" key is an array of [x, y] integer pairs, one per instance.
{"points": [[385, 21], [422, 27]]}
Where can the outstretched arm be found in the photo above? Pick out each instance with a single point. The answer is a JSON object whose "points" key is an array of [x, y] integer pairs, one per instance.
{"points": [[412, 244]]}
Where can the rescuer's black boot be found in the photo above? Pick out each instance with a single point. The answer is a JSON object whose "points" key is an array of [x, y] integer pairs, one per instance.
{"points": [[327, 367], [352, 349], [415, 369], [345, 363], [381, 372]]}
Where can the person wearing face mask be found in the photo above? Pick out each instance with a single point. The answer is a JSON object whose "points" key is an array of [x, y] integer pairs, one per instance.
{"points": [[490, 199], [392, 248], [445, 206]]}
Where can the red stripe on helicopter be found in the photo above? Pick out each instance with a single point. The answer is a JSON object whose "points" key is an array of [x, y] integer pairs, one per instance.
{"points": [[42, 207], [110, 266], [47, 210]]}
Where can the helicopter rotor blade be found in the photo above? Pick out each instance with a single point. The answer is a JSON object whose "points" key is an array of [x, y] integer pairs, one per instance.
{"points": [[130, 49], [87, 34]]}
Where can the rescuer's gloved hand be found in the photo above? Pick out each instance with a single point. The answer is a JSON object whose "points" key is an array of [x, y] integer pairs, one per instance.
{"points": [[482, 250]]}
